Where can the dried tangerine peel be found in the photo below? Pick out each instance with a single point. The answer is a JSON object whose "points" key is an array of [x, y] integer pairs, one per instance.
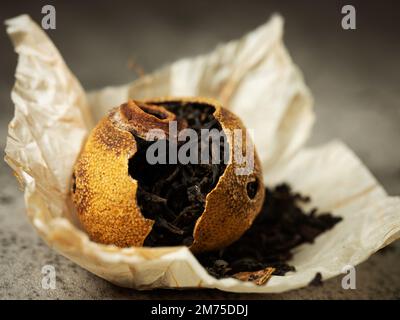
{"points": [[105, 193]]}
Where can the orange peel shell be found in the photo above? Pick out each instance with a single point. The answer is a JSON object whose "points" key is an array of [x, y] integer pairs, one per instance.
{"points": [[105, 194]]}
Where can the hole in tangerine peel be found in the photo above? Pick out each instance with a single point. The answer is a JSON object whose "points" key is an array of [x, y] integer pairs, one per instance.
{"points": [[252, 188]]}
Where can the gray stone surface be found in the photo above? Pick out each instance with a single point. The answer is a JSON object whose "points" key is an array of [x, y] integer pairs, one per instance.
{"points": [[354, 76]]}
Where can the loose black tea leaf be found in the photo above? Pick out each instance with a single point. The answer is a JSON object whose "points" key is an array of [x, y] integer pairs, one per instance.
{"points": [[317, 280], [174, 194], [281, 226]]}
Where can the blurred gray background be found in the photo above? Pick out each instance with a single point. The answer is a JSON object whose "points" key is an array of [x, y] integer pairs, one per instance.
{"points": [[353, 74]]}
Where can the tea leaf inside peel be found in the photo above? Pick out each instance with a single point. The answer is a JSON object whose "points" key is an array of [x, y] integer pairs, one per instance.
{"points": [[174, 195]]}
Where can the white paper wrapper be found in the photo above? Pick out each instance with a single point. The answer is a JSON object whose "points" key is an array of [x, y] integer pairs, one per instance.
{"points": [[255, 78]]}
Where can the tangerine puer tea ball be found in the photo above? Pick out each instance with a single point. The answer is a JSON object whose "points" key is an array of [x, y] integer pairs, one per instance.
{"points": [[149, 175]]}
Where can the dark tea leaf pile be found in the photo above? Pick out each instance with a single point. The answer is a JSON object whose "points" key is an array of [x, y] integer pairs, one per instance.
{"points": [[281, 226], [173, 195]]}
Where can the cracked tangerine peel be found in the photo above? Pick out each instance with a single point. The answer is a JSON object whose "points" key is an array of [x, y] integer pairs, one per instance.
{"points": [[105, 194]]}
